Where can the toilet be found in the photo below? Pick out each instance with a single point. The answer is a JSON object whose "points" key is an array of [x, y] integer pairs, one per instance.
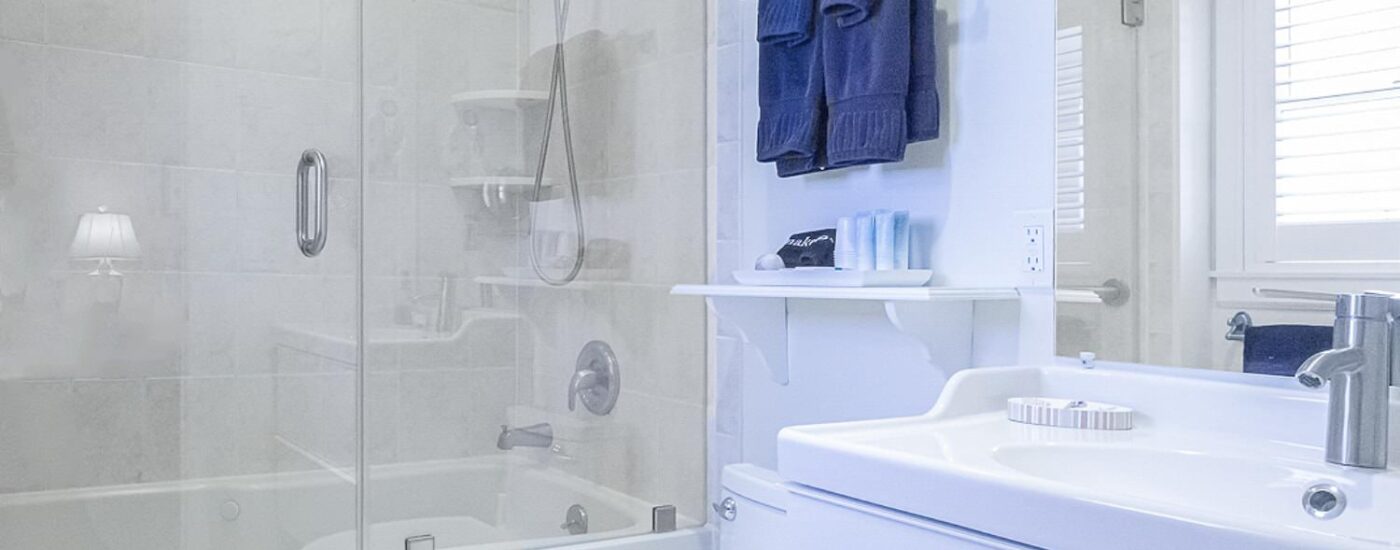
{"points": [[752, 510]]}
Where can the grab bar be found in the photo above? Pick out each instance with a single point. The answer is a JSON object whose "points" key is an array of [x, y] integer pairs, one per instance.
{"points": [[312, 210], [1112, 292]]}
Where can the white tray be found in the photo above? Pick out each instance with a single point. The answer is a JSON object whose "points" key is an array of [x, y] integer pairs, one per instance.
{"points": [[826, 276]]}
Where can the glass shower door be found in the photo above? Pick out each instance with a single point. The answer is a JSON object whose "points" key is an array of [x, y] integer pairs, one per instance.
{"points": [[174, 372], [516, 397]]}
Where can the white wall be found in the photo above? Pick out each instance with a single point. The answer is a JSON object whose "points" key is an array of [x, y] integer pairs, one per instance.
{"points": [[973, 188]]}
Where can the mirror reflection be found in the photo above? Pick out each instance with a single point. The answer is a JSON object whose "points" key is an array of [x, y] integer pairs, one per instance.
{"points": [[1223, 172]]}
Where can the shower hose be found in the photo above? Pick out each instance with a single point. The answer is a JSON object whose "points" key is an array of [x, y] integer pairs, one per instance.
{"points": [[558, 94]]}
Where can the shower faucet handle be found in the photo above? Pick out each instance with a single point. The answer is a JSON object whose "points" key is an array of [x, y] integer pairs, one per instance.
{"points": [[597, 379], [583, 380]]}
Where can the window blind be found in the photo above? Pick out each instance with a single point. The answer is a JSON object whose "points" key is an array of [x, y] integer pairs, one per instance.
{"points": [[1337, 109], [1069, 130]]}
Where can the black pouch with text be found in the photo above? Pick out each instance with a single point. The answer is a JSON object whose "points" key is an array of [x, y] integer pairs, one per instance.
{"points": [[810, 249]]}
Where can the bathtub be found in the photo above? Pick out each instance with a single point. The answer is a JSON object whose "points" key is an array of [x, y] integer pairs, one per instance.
{"points": [[483, 503]]}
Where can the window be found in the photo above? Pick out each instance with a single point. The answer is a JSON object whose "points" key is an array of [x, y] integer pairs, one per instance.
{"points": [[1337, 102], [1069, 130], [1330, 193]]}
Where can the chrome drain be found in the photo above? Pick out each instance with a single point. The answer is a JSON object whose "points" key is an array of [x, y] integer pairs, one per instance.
{"points": [[1324, 501]]}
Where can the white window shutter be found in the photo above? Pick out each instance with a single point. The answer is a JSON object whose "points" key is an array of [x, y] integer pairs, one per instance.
{"points": [[1337, 106], [1069, 130]]}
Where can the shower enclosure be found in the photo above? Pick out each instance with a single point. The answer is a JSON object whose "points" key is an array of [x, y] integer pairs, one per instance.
{"points": [[200, 349]]}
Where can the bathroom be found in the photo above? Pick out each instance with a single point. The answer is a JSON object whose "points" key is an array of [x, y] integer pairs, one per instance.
{"points": [[450, 274]]}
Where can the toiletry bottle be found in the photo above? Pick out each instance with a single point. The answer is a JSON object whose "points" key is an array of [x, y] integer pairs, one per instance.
{"points": [[884, 240], [901, 239], [865, 241], [846, 256]]}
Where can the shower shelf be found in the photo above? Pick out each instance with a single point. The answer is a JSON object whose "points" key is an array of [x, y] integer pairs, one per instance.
{"points": [[580, 285], [933, 316], [497, 181], [500, 99]]}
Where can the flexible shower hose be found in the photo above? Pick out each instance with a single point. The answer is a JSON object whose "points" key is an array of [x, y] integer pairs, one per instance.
{"points": [[558, 93]]}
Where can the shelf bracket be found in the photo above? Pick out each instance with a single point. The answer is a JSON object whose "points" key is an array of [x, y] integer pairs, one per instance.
{"points": [[761, 323], [944, 328]]}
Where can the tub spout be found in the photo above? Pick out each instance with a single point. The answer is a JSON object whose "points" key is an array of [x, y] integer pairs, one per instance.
{"points": [[538, 435]]}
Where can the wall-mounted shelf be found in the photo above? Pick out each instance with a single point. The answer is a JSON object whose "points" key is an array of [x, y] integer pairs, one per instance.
{"points": [[528, 280], [500, 99], [934, 316], [522, 182]]}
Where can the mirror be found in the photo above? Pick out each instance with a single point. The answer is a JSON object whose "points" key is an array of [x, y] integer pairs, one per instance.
{"points": [[1209, 152]]}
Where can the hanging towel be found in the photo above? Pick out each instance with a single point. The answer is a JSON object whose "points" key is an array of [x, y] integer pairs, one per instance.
{"points": [[848, 12], [922, 103], [1281, 349], [790, 81], [867, 60], [798, 166]]}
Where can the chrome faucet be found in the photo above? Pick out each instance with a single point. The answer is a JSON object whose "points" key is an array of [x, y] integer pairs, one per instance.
{"points": [[538, 435], [1358, 371]]}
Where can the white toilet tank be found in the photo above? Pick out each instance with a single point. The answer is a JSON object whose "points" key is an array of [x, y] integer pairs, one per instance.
{"points": [[752, 510]]}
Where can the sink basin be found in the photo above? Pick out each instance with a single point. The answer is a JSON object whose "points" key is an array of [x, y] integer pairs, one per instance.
{"points": [[1214, 461]]}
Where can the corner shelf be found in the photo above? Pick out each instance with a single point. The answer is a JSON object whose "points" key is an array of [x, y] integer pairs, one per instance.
{"points": [[933, 316], [500, 99], [521, 182]]}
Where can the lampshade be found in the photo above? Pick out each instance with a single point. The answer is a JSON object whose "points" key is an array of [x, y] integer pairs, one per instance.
{"points": [[103, 235]]}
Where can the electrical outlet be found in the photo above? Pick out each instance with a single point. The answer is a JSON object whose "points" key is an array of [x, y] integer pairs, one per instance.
{"points": [[1033, 237]]}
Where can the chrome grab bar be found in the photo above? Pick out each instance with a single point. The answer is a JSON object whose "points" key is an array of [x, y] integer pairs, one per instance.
{"points": [[312, 209]]}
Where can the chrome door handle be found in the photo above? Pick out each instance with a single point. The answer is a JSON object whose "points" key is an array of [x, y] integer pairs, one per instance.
{"points": [[311, 203]]}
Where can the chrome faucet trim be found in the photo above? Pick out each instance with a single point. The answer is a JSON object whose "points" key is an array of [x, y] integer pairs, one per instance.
{"points": [[1358, 373], [537, 435]]}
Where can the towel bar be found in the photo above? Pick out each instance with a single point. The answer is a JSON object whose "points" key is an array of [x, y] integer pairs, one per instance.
{"points": [[1238, 324]]}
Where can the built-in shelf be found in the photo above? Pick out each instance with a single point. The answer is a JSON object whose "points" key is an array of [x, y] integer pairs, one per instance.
{"points": [[523, 182], [888, 294], [939, 318], [534, 282], [500, 99]]}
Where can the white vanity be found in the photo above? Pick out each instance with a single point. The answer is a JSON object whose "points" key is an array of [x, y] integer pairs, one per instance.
{"points": [[1214, 460]]}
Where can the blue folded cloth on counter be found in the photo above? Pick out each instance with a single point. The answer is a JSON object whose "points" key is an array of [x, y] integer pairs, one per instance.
{"points": [[1281, 349]]}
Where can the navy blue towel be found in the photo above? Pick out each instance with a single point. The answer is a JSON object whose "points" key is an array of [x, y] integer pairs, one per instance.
{"points": [[922, 103], [1281, 349], [867, 59], [791, 92], [845, 82]]}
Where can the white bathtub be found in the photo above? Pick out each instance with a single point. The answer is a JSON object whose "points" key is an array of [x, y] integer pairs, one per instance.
{"points": [[481, 503]]}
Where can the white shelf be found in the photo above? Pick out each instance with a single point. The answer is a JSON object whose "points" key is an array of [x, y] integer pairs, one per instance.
{"points": [[497, 181], [500, 99], [583, 284], [886, 294]]}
